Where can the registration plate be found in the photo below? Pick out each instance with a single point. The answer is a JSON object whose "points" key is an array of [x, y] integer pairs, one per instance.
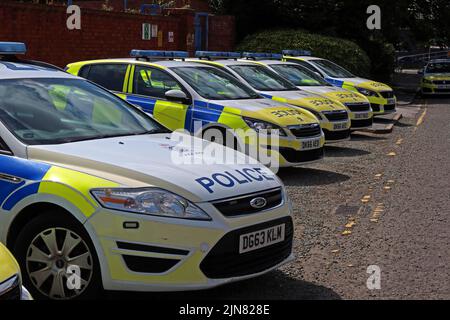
{"points": [[340, 126], [310, 144], [262, 238], [361, 115], [443, 86]]}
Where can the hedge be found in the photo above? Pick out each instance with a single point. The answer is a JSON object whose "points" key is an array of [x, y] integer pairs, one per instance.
{"points": [[344, 52]]}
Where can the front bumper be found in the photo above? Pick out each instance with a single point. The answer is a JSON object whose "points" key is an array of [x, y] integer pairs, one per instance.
{"points": [[177, 255], [430, 89], [381, 106]]}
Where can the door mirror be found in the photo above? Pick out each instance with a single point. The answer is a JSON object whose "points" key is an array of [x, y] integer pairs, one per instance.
{"points": [[177, 96]]}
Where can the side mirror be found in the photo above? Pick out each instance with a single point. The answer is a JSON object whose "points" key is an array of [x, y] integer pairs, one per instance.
{"points": [[177, 96]]}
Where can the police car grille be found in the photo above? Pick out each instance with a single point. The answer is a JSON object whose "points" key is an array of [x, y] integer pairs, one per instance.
{"points": [[241, 206], [336, 116], [305, 131], [441, 82], [360, 107], [224, 260], [387, 94]]}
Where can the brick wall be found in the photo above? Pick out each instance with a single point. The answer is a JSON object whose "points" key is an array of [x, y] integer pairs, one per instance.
{"points": [[103, 34]]}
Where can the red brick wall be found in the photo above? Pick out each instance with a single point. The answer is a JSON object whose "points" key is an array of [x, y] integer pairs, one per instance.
{"points": [[221, 33], [103, 34]]}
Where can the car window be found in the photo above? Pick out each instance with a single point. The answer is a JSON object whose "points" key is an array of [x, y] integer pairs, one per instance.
{"points": [[262, 78], [153, 82], [298, 75], [332, 69], [438, 67], [304, 64], [215, 84], [53, 111], [110, 76]]}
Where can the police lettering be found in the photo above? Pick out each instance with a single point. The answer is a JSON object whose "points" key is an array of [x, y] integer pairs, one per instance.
{"points": [[229, 179]]}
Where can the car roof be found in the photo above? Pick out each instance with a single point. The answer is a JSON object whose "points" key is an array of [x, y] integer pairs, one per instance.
{"points": [[439, 61], [269, 62], [230, 62], [21, 70], [163, 63]]}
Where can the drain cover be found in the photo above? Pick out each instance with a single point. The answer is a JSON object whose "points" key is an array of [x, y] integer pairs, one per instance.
{"points": [[345, 210]]}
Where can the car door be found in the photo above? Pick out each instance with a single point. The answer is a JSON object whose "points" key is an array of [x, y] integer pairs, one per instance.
{"points": [[147, 87]]}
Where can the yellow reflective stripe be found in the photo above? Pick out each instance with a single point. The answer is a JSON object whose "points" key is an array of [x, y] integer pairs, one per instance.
{"points": [[279, 99], [121, 95], [232, 119], [125, 82], [171, 114], [74, 187], [131, 80]]}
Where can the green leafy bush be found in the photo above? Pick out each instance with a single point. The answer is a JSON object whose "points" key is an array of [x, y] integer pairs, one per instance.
{"points": [[344, 52]]}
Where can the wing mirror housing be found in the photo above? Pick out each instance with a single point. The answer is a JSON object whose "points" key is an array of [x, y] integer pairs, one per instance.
{"points": [[178, 96]]}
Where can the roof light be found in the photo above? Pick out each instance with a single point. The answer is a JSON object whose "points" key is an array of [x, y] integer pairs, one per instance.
{"points": [[157, 54], [258, 55], [218, 55], [12, 48], [297, 53]]}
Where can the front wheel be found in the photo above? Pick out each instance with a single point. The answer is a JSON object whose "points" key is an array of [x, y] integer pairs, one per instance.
{"points": [[57, 258]]}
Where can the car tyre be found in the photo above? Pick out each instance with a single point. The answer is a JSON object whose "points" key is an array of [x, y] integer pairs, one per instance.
{"points": [[57, 258]]}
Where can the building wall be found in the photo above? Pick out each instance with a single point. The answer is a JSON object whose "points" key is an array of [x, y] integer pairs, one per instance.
{"points": [[103, 34]]}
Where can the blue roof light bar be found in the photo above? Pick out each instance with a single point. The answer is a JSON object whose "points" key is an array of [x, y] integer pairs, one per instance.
{"points": [[297, 53], [218, 55], [258, 55], [157, 54], [12, 48]]}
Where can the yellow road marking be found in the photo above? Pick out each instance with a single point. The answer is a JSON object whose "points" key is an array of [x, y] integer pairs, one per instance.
{"points": [[391, 154], [421, 118], [399, 141]]}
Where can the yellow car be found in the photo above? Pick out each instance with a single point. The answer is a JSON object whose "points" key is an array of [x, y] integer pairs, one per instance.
{"points": [[436, 77], [333, 116], [360, 111], [382, 97], [10, 278], [203, 100]]}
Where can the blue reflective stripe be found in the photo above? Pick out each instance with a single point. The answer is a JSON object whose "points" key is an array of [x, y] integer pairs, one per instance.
{"points": [[20, 168], [20, 194], [335, 82], [206, 112], [268, 96], [147, 104]]}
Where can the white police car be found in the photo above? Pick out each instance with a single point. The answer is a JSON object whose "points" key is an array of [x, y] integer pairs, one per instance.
{"points": [[90, 196]]}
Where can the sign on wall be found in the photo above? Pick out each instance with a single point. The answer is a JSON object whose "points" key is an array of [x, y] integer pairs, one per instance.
{"points": [[171, 37], [146, 31]]}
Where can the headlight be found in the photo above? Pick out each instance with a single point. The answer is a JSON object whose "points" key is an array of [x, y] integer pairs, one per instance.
{"points": [[259, 125], [11, 288], [149, 201], [427, 81], [367, 92]]}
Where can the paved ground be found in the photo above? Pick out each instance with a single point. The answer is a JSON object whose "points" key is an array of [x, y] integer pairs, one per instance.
{"points": [[379, 200]]}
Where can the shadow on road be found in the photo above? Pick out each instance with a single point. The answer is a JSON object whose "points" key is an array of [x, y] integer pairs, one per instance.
{"points": [[331, 151], [272, 286], [363, 137], [310, 177]]}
